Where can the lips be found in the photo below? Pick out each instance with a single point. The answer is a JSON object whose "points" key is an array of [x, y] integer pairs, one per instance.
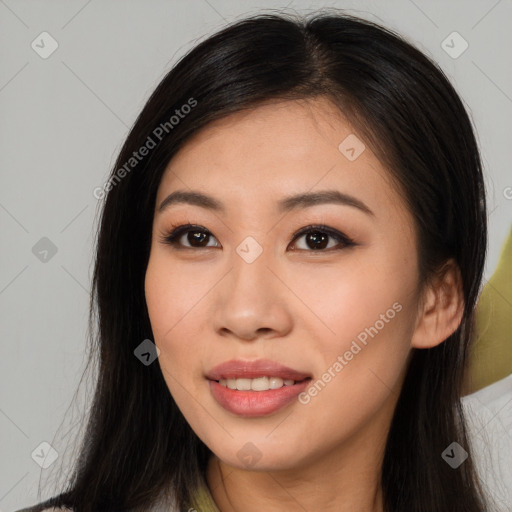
{"points": [[252, 404], [249, 401], [238, 369]]}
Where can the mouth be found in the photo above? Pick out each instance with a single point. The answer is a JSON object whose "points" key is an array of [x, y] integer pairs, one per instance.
{"points": [[255, 388]]}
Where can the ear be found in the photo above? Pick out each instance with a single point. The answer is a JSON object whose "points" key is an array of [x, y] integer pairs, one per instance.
{"points": [[441, 308]]}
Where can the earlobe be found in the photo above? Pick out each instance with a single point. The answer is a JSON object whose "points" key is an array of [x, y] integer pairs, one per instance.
{"points": [[442, 308]]}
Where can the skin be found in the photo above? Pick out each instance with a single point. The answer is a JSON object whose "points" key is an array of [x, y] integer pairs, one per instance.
{"points": [[302, 307]]}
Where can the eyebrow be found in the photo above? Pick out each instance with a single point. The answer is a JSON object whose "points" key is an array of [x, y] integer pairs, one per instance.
{"points": [[294, 202]]}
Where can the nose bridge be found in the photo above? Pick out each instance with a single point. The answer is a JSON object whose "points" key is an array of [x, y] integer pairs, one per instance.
{"points": [[251, 275], [251, 298]]}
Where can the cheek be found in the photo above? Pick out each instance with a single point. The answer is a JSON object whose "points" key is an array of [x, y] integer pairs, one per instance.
{"points": [[367, 310], [359, 369], [174, 297], [163, 301], [355, 295], [173, 294]]}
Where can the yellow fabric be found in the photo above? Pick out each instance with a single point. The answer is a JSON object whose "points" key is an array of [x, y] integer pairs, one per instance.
{"points": [[491, 359]]}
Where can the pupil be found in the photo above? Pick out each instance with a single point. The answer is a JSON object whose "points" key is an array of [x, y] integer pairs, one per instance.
{"points": [[197, 237], [319, 240]]}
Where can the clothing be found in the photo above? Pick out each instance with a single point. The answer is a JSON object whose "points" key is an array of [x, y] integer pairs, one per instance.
{"points": [[489, 418]]}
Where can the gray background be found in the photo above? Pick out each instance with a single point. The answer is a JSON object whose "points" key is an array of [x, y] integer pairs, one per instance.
{"points": [[63, 120]]}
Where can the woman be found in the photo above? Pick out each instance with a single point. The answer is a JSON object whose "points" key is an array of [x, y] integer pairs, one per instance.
{"points": [[297, 221]]}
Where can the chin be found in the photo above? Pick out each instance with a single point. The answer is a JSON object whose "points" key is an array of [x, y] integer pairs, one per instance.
{"points": [[259, 454]]}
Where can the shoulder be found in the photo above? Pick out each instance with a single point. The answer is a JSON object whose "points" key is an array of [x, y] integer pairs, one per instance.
{"points": [[489, 420], [494, 403]]}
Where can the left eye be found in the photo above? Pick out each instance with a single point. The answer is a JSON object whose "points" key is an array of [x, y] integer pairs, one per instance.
{"points": [[321, 238]]}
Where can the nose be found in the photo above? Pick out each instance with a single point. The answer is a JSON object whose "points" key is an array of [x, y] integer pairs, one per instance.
{"points": [[252, 302]]}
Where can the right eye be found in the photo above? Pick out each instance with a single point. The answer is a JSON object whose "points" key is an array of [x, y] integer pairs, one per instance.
{"points": [[197, 237]]}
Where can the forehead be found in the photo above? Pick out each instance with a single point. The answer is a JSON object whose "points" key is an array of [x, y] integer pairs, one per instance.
{"points": [[278, 149], [274, 132]]}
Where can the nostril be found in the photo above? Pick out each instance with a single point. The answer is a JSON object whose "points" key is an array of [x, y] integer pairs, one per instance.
{"points": [[264, 330]]}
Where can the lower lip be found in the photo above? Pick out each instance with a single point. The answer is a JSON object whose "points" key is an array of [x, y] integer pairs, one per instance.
{"points": [[256, 403]]}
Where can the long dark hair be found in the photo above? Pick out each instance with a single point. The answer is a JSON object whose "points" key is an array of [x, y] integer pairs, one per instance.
{"points": [[402, 105]]}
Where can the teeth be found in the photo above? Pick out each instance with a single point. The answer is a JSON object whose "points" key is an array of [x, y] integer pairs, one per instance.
{"points": [[243, 384], [258, 384], [275, 382]]}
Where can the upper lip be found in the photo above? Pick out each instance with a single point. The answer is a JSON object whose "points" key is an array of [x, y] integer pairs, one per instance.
{"points": [[239, 369]]}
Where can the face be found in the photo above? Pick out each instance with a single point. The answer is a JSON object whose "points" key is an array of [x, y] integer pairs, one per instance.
{"points": [[315, 297]]}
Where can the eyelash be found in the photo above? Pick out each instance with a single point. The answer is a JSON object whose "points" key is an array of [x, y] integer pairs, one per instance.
{"points": [[172, 238]]}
